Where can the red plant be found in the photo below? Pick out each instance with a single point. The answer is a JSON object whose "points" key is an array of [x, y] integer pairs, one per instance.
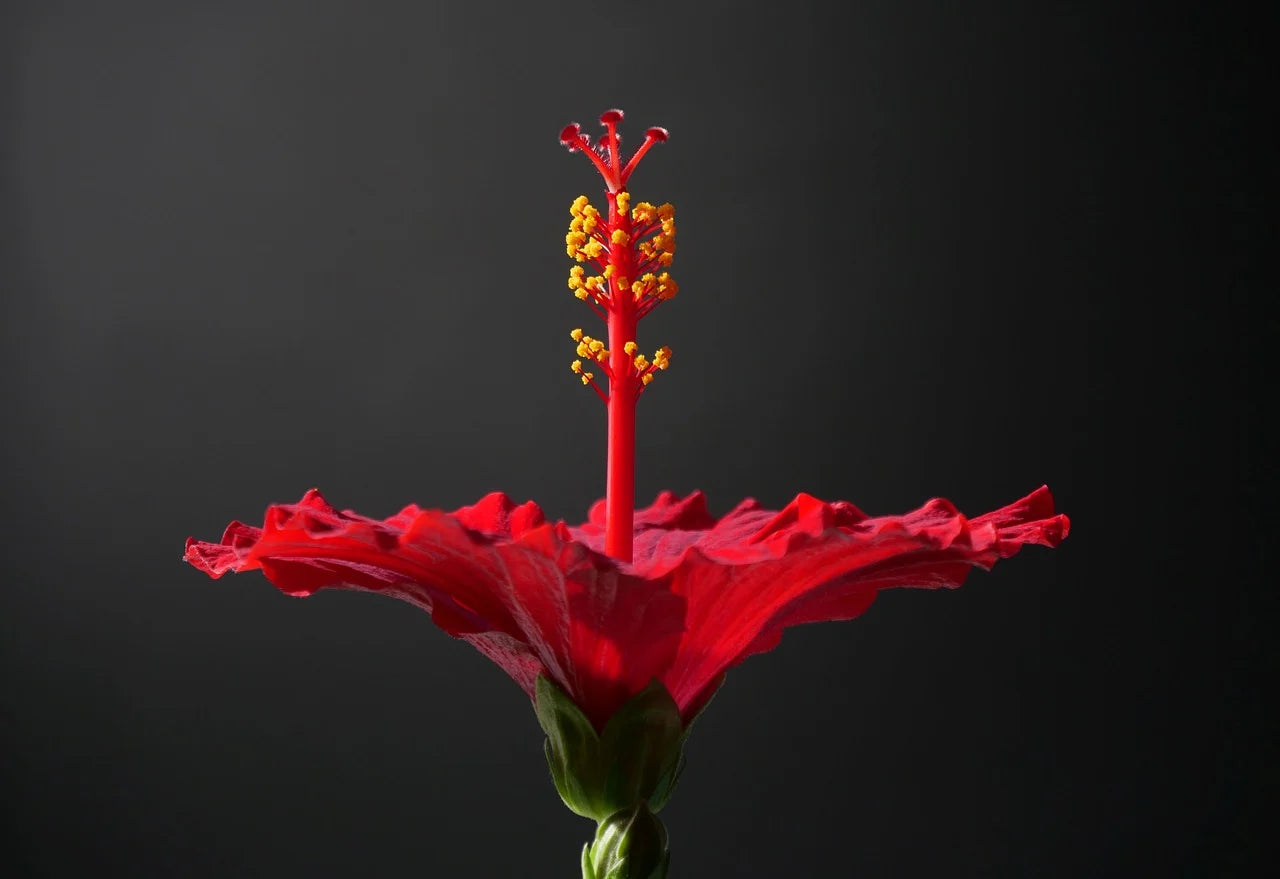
{"points": [[621, 629]]}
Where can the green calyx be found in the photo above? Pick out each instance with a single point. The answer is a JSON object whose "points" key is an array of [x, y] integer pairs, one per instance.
{"points": [[634, 762], [630, 844]]}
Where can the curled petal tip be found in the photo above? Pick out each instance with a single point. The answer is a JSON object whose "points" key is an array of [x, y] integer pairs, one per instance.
{"points": [[657, 133], [569, 135], [611, 117]]}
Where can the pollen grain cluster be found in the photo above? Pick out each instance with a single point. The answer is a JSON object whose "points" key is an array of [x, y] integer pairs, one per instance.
{"points": [[639, 240], [622, 255]]}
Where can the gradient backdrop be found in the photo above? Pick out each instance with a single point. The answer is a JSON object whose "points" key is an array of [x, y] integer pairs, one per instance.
{"points": [[926, 249]]}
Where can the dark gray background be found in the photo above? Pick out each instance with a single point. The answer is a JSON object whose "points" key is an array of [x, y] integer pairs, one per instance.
{"points": [[926, 249]]}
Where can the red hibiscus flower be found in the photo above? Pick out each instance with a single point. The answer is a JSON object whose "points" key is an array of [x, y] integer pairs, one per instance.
{"points": [[622, 628], [701, 594]]}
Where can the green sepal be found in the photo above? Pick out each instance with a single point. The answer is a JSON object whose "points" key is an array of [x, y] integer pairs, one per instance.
{"points": [[642, 745], [636, 759], [671, 776], [630, 844], [572, 748]]}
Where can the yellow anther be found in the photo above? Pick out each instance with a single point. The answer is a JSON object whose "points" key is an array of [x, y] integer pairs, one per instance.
{"points": [[602, 355], [596, 346], [582, 350], [648, 277], [662, 357], [668, 227], [640, 363], [590, 211], [619, 237], [581, 293], [630, 348], [589, 224], [576, 366], [638, 289], [574, 252], [624, 202], [665, 259], [592, 282], [577, 272], [667, 211], [575, 225], [576, 238], [659, 242], [578, 205], [576, 334], [587, 377], [593, 249], [646, 378], [575, 281], [608, 271], [643, 212]]}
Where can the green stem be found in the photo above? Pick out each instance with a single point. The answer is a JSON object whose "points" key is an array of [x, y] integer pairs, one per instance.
{"points": [[629, 844]]}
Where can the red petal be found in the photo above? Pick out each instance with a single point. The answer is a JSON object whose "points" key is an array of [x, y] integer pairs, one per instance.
{"points": [[493, 573], [813, 562]]}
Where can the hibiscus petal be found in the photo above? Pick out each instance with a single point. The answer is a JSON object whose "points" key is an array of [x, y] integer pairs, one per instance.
{"points": [[813, 562], [495, 574]]}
